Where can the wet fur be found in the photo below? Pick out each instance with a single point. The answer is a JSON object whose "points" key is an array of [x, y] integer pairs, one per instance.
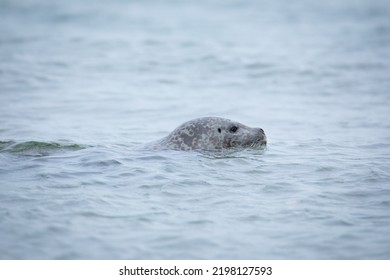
{"points": [[212, 133]]}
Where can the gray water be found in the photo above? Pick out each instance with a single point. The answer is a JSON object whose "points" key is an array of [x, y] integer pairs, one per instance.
{"points": [[84, 84]]}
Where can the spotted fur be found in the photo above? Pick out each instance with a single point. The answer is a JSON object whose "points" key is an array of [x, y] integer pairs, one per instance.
{"points": [[212, 133]]}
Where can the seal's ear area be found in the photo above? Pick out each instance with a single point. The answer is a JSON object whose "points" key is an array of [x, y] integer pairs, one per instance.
{"points": [[219, 129]]}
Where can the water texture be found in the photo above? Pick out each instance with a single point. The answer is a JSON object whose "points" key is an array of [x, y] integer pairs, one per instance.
{"points": [[84, 84]]}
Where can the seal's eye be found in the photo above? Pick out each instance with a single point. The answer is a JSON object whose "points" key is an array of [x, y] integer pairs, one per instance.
{"points": [[233, 129], [219, 130]]}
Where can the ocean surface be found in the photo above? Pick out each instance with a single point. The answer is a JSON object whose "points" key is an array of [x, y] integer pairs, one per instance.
{"points": [[85, 84]]}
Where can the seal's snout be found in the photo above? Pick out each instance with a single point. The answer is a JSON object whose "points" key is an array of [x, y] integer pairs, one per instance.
{"points": [[263, 138]]}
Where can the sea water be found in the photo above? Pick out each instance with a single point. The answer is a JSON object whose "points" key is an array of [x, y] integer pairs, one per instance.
{"points": [[85, 84]]}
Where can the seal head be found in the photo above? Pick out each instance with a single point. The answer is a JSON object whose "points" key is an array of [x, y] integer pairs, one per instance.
{"points": [[212, 133]]}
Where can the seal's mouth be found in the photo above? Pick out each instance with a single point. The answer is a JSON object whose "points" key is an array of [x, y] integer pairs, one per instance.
{"points": [[259, 144], [262, 137], [264, 141]]}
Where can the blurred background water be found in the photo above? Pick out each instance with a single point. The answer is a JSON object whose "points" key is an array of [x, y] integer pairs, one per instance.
{"points": [[83, 84]]}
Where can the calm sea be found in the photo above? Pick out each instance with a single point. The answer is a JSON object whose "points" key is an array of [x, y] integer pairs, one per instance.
{"points": [[84, 84]]}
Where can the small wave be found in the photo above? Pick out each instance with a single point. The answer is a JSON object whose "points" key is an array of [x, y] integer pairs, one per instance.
{"points": [[36, 148]]}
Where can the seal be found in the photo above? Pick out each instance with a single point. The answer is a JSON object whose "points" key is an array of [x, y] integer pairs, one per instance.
{"points": [[212, 134]]}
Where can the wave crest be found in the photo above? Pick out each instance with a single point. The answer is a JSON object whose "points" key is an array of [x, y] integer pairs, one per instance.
{"points": [[37, 148]]}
